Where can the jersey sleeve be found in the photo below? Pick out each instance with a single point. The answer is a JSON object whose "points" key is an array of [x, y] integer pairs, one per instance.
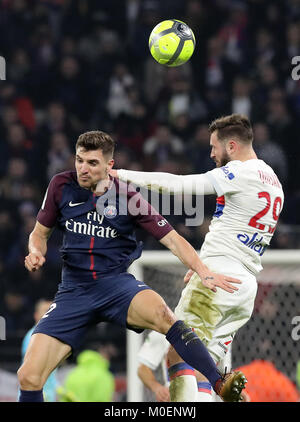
{"points": [[193, 184], [226, 179], [49, 210], [153, 350], [147, 217]]}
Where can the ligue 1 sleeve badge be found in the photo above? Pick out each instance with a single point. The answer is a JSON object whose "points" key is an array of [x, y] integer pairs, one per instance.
{"points": [[110, 211]]}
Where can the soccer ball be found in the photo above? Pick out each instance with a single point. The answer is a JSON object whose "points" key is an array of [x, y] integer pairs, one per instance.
{"points": [[172, 43]]}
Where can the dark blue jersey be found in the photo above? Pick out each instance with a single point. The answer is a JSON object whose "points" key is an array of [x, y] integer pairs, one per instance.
{"points": [[97, 243]]}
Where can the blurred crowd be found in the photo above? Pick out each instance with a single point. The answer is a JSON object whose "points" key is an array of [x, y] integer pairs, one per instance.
{"points": [[78, 65]]}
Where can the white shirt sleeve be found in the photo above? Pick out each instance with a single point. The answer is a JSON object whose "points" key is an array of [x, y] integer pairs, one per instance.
{"points": [[226, 179], [153, 350], [194, 184]]}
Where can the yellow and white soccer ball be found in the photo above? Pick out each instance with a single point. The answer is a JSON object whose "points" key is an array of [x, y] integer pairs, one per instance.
{"points": [[172, 42]]}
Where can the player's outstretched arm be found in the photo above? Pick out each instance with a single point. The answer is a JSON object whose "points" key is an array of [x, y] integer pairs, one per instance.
{"points": [[189, 257], [37, 247], [194, 184], [148, 378]]}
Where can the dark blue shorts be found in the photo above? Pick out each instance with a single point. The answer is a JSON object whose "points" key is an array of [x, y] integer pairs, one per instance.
{"points": [[77, 307]]}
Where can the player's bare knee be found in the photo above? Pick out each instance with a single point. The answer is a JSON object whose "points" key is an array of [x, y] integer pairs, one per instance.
{"points": [[29, 380], [164, 318]]}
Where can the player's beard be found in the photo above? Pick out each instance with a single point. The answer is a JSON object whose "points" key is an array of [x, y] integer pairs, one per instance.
{"points": [[223, 160]]}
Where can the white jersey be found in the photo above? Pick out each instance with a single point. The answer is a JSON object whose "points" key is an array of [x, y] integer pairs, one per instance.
{"points": [[153, 350], [250, 199]]}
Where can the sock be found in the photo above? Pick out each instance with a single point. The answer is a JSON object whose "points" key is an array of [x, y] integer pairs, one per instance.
{"points": [[31, 396], [204, 392], [183, 383], [191, 349]]}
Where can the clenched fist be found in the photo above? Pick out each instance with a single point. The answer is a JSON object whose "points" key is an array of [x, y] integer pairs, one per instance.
{"points": [[33, 261]]}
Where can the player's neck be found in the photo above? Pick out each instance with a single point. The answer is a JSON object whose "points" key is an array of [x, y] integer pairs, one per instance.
{"points": [[102, 186], [246, 155]]}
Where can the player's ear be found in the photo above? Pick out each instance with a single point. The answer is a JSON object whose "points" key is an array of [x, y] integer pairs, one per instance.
{"points": [[110, 165], [231, 146]]}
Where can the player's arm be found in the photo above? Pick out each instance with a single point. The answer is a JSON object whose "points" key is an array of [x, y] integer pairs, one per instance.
{"points": [[189, 257], [194, 184], [37, 247], [45, 222], [148, 379]]}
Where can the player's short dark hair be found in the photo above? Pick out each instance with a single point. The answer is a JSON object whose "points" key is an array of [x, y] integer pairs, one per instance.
{"points": [[96, 139], [233, 126]]}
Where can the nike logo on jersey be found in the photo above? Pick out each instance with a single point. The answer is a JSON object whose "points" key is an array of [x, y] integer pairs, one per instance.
{"points": [[71, 204]]}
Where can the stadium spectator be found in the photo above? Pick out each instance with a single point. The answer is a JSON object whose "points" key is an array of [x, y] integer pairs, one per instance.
{"points": [[269, 151], [19, 144], [120, 82], [56, 119], [59, 154], [90, 381], [163, 146], [293, 39], [12, 184], [241, 96], [198, 150], [15, 309], [233, 33]]}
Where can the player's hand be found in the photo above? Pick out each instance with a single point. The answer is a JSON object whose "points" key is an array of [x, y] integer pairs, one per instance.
{"points": [[162, 393], [212, 281], [34, 261], [188, 276], [113, 173]]}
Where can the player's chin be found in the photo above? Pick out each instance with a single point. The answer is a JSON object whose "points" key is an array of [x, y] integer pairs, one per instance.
{"points": [[85, 183]]}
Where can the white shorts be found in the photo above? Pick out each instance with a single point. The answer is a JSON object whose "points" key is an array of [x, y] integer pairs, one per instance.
{"points": [[216, 317]]}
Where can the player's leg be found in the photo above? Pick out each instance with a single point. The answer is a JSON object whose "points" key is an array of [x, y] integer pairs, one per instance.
{"points": [[43, 355], [215, 316], [182, 377], [149, 310], [183, 387]]}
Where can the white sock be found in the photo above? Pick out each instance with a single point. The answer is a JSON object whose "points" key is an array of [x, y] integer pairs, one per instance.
{"points": [[204, 392], [183, 383]]}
